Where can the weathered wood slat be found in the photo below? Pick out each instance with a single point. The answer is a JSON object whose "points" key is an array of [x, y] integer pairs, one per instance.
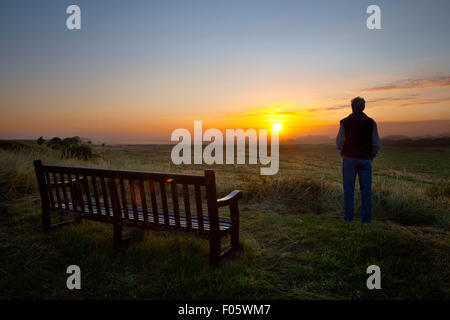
{"points": [[55, 180], [64, 191], [79, 192], [123, 196], [117, 218], [143, 200], [50, 189], [96, 195], [162, 186], [198, 205], [187, 205], [153, 200], [133, 198], [73, 192], [88, 195], [105, 195], [176, 208]]}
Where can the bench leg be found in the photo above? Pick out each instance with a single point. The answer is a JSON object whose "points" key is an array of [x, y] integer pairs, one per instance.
{"points": [[214, 251], [117, 234]]}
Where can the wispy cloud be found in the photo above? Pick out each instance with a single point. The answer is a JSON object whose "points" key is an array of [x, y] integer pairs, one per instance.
{"points": [[423, 102], [372, 101], [385, 102], [266, 112], [391, 102], [411, 97], [338, 107], [405, 84]]}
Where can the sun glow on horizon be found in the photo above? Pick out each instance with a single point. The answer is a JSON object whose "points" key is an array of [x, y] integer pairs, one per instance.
{"points": [[277, 127]]}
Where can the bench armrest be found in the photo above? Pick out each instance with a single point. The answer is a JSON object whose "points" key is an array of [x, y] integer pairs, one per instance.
{"points": [[230, 198]]}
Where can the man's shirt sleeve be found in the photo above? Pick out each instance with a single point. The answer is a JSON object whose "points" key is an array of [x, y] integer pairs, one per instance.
{"points": [[376, 142], [340, 139]]}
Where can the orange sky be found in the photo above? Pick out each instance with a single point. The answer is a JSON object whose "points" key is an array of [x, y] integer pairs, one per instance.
{"points": [[131, 116], [137, 73]]}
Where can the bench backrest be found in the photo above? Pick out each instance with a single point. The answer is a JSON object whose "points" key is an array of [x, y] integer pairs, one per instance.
{"points": [[106, 195]]}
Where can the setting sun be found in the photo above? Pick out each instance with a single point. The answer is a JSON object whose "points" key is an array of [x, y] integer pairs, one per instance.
{"points": [[277, 127]]}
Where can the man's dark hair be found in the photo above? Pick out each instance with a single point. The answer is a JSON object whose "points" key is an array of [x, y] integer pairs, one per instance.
{"points": [[358, 104]]}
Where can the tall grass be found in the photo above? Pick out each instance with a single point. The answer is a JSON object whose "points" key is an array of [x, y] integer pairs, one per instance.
{"points": [[292, 194], [407, 205], [17, 176], [394, 198]]}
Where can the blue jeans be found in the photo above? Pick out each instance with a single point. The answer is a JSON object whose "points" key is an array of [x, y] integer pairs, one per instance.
{"points": [[351, 167]]}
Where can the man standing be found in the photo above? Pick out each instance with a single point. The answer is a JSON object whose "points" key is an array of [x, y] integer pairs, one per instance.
{"points": [[358, 143]]}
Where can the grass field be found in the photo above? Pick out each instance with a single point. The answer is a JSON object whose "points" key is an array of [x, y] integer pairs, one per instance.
{"points": [[295, 242]]}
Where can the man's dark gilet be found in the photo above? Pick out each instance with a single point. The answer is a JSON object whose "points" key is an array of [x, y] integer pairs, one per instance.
{"points": [[358, 136]]}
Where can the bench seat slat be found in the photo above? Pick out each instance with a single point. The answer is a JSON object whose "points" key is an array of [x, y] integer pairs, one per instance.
{"points": [[224, 223]]}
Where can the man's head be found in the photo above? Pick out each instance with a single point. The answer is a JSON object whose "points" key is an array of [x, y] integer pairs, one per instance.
{"points": [[358, 104]]}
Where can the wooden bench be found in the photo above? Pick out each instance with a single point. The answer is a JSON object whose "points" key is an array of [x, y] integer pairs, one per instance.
{"points": [[145, 200]]}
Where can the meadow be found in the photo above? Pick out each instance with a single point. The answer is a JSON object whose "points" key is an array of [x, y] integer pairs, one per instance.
{"points": [[295, 244]]}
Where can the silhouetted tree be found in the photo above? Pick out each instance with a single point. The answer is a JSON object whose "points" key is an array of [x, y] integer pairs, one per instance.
{"points": [[71, 147], [54, 143], [41, 140], [72, 140]]}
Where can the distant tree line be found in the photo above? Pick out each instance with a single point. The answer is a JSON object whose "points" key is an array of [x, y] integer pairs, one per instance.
{"points": [[72, 147], [416, 142]]}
